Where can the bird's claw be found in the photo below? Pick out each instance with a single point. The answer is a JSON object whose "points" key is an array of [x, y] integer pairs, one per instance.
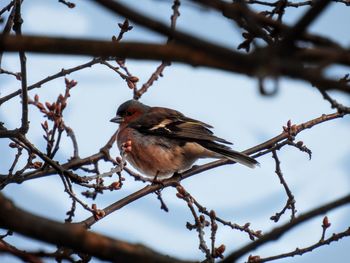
{"points": [[127, 146]]}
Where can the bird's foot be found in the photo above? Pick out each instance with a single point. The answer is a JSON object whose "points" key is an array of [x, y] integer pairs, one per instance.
{"points": [[157, 180], [127, 146]]}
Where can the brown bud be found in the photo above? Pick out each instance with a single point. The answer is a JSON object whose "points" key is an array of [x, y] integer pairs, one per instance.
{"points": [[18, 76], [53, 106], [180, 190], [48, 105], [300, 143], [37, 165], [46, 125], [98, 214], [293, 129], [212, 214], [63, 105], [178, 195], [115, 185], [70, 83], [247, 225], [252, 259], [36, 97], [125, 26], [289, 122], [326, 223], [73, 83], [101, 213], [133, 79], [59, 109], [221, 249], [131, 85], [258, 233], [40, 106], [13, 145]]}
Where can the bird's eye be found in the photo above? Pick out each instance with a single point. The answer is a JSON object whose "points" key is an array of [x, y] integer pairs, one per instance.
{"points": [[128, 113]]}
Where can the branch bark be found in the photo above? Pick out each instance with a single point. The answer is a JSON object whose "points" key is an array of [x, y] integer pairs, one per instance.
{"points": [[75, 237], [255, 64]]}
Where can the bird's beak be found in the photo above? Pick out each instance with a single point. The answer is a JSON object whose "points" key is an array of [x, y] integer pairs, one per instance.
{"points": [[117, 119]]}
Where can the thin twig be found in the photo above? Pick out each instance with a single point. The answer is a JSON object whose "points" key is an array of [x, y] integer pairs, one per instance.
{"points": [[62, 73], [159, 71], [290, 204], [24, 92]]}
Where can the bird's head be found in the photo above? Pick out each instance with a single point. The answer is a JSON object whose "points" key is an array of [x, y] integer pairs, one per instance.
{"points": [[129, 111]]}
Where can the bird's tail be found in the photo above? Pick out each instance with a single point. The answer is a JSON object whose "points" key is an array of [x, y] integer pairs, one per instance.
{"points": [[232, 155]]}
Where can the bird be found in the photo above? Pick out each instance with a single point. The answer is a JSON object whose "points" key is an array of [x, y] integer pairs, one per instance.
{"points": [[160, 142]]}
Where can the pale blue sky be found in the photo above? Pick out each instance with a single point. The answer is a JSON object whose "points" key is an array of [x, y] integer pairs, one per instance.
{"points": [[229, 102]]}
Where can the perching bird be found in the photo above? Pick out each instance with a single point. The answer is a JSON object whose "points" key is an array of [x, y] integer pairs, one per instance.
{"points": [[159, 142]]}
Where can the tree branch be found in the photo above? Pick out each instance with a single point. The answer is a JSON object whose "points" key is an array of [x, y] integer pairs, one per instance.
{"points": [[74, 236], [251, 64], [279, 231]]}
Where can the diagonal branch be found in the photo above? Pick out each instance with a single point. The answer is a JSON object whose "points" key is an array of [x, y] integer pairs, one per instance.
{"points": [[298, 29], [61, 73], [279, 231], [258, 150], [68, 235]]}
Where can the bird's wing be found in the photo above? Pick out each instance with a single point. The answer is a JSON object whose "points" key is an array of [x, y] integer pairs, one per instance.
{"points": [[173, 124]]}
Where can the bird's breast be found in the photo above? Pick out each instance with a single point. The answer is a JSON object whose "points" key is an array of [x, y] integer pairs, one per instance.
{"points": [[155, 156]]}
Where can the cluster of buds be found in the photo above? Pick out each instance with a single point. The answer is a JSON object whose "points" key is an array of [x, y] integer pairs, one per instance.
{"points": [[181, 192], [31, 157], [53, 111], [219, 251], [291, 129], [15, 145], [98, 213], [115, 186], [124, 27], [131, 81]]}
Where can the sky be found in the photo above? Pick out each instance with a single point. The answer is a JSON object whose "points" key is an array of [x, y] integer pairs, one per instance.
{"points": [[229, 102]]}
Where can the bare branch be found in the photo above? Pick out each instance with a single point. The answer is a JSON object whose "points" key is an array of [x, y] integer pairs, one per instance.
{"points": [[69, 235], [279, 231]]}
